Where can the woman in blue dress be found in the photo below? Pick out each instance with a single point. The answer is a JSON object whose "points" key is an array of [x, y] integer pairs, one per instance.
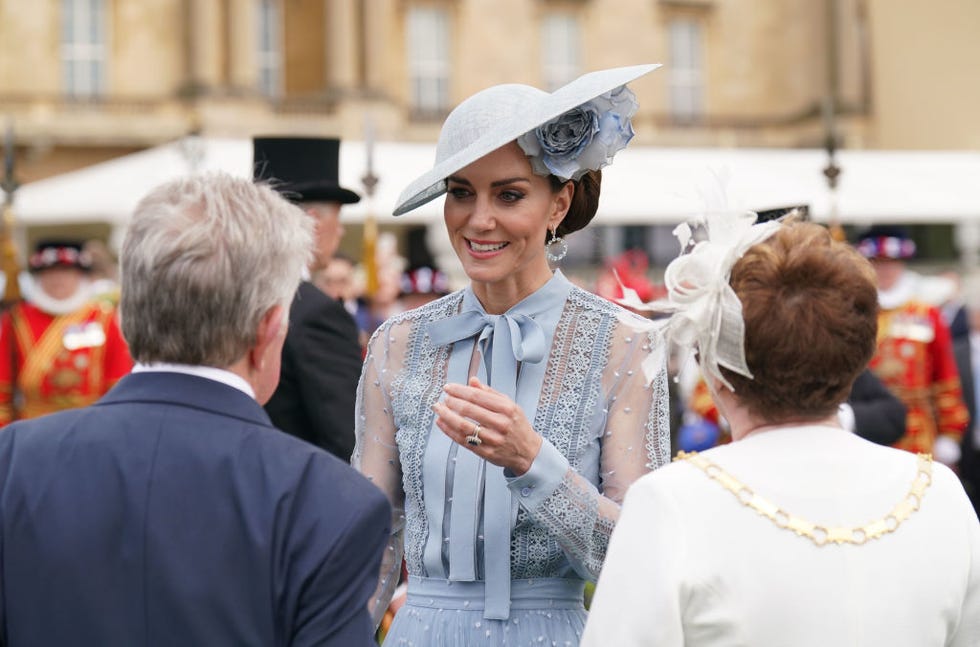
{"points": [[506, 421]]}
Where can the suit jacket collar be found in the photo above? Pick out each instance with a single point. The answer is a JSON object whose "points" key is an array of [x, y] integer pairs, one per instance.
{"points": [[186, 390]]}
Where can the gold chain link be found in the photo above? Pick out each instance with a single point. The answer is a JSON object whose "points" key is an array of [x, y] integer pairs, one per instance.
{"points": [[821, 535]]}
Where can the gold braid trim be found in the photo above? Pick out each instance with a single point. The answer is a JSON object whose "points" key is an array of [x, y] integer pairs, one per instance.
{"points": [[49, 344], [97, 366], [821, 535]]}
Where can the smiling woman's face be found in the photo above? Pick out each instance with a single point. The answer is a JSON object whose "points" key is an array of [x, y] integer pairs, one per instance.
{"points": [[498, 213]]}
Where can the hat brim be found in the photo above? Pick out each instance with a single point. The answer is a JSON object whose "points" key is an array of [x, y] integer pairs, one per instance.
{"points": [[585, 88], [316, 192]]}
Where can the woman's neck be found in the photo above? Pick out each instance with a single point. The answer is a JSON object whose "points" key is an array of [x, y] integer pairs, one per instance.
{"points": [[762, 427], [744, 424], [500, 296]]}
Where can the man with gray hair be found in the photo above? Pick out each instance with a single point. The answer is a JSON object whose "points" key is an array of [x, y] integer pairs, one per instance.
{"points": [[171, 512]]}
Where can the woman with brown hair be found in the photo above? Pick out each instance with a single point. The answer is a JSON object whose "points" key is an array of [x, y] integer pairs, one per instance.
{"points": [[798, 533], [506, 420]]}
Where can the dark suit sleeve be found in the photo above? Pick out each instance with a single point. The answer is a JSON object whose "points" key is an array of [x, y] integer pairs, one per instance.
{"points": [[320, 370], [6, 440], [345, 550], [879, 416], [964, 366]]}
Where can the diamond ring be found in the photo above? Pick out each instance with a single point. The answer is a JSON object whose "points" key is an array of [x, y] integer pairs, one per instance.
{"points": [[474, 438]]}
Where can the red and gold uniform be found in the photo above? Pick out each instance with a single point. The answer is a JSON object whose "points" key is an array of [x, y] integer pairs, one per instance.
{"points": [[914, 358], [702, 403], [915, 361], [49, 363]]}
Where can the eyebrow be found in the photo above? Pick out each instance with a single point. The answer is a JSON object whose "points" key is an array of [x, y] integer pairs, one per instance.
{"points": [[510, 180]]}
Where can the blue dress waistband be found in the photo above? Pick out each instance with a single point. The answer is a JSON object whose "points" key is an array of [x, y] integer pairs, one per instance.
{"points": [[537, 593]]}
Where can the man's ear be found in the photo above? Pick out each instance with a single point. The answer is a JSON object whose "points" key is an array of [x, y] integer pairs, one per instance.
{"points": [[271, 326]]}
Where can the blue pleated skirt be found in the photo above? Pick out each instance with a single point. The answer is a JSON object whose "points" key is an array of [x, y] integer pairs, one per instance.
{"points": [[546, 612]]}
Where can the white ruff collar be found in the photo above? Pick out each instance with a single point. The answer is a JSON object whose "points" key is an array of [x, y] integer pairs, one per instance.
{"points": [[899, 294], [56, 307]]}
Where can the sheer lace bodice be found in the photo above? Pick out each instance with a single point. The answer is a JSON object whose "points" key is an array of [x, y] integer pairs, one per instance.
{"points": [[604, 425]]}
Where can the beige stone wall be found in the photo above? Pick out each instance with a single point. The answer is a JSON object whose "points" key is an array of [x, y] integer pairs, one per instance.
{"points": [[242, 30], [925, 73], [146, 52], [29, 35], [761, 59], [766, 69]]}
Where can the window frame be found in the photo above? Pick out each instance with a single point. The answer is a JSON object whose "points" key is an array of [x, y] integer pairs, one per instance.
{"points": [[685, 82], [84, 47], [558, 68], [428, 57], [270, 58]]}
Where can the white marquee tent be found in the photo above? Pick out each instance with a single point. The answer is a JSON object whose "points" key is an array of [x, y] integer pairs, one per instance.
{"points": [[644, 186]]}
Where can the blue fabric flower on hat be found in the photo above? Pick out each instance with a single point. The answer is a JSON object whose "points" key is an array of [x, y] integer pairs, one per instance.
{"points": [[583, 139]]}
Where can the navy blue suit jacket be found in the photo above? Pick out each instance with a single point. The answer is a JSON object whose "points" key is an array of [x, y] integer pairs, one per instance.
{"points": [[321, 365], [171, 512]]}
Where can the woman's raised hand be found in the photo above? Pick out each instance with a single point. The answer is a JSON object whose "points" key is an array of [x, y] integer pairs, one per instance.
{"points": [[489, 424]]}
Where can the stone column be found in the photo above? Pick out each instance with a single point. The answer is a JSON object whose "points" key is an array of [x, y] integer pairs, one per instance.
{"points": [[342, 45]]}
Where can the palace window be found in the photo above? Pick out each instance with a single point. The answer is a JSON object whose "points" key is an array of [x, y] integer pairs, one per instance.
{"points": [[561, 49], [269, 54], [428, 60], [686, 71], [83, 48]]}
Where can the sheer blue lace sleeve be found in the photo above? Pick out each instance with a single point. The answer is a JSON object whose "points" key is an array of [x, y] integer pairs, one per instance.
{"points": [[376, 454], [630, 424]]}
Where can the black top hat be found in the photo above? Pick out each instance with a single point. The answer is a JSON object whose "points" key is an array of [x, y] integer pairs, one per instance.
{"points": [[303, 169], [765, 215], [59, 253]]}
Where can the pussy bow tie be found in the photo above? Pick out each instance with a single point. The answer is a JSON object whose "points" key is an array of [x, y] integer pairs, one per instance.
{"points": [[506, 340]]}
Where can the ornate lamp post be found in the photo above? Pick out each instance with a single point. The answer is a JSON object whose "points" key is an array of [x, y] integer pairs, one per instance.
{"points": [[832, 171], [370, 240], [8, 251]]}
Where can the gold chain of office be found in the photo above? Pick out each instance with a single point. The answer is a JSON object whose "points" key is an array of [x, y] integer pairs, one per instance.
{"points": [[821, 535]]}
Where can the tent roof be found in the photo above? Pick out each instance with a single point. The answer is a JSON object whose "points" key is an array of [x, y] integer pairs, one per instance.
{"points": [[645, 185]]}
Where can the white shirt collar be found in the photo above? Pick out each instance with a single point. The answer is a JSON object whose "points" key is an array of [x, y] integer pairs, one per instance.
{"points": [[207, 372]]}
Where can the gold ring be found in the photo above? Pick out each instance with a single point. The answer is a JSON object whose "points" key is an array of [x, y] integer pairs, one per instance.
{"points": [[474, 438]]}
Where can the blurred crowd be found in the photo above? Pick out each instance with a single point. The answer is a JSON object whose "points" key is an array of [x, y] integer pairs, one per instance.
{"points": [[919, 390], [919, 393]]}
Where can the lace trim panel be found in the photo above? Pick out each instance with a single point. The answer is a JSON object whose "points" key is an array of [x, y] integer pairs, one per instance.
{"points": [[585, 534], [413, 394], [657, 442], [570, 392]]}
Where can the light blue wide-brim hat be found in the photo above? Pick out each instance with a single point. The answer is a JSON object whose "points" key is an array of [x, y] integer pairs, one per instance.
{"points": [[499, 115]]}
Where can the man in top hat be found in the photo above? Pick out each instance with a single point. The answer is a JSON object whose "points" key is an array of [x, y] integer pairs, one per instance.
{"points": [[61, 348], [321, 358], [915, 353]]}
